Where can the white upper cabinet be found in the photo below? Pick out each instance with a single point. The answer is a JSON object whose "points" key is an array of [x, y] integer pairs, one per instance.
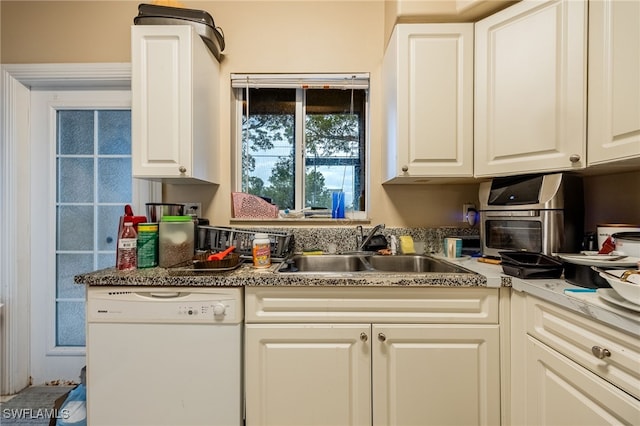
{"points": [[530, 88], [175, 105], [614, 81], [428, 103]]}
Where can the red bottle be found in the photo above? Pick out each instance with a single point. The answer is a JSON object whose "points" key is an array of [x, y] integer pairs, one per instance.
{"points": [[127, 248]]}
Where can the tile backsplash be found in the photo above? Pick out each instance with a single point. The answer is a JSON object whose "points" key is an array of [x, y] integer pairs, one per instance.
{"points": [[344, 239]]}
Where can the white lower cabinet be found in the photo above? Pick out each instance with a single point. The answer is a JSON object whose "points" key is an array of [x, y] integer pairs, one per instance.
{"points": [[570, 370], [435, 374], [342, 367], [307, 374]]}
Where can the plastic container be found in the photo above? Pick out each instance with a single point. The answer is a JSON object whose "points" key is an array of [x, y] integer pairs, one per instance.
{"points": [[175, 241], [127, 248], [261, 251], [147, 245], [608, 229], [627, 243]]}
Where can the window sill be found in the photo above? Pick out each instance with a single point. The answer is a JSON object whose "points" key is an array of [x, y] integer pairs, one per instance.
{"points": [[299, 221]]}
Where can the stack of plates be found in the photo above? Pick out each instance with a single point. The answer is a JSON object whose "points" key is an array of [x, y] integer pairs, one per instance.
{"points": [[623, 293], [577, 267]]}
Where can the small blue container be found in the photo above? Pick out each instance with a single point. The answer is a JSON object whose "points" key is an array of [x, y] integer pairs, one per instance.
{"points": [[337, 205]]}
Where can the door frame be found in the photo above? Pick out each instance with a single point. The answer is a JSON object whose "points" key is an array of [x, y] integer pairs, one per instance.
{"points": [[17, 80]]}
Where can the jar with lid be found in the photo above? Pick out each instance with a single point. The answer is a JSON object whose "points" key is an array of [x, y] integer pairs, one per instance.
{"points": [[175, 241], [261, 251]]}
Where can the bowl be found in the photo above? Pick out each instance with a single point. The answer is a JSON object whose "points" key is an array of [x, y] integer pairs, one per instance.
{"points": [[628, 290]]}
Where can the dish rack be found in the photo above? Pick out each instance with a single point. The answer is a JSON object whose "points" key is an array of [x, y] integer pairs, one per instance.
{"points": [[219, 238]]}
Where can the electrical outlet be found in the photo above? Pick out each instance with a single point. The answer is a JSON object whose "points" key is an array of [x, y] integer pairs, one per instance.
{"points": [[465, 212], [193, 208]]}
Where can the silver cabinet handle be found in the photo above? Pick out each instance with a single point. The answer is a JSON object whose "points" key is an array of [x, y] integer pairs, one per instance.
{"points": [[600, 352], [382, 337], [574, 158], [364, 337], [405, 169], [182, 169]]}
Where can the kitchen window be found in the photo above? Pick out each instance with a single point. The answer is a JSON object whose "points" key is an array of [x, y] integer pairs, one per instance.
{"points": [[302, 137]]}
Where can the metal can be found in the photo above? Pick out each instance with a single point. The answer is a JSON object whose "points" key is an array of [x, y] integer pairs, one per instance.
{"points": [[147, 245]]}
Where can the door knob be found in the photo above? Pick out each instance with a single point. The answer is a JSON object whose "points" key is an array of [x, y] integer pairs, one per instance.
{"points": [[382, 337], [364, 337]]}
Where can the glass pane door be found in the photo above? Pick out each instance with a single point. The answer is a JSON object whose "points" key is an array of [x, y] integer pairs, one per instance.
{"points": [[93, 160]]}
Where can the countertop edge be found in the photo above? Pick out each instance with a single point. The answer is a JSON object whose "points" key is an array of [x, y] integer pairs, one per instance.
{"points": [[554, 291]]}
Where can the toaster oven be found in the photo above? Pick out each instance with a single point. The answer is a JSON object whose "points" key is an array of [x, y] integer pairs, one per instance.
{"points": [[534, 213]]}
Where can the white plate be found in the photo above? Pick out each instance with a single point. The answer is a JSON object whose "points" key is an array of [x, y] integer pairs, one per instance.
{"points": [[611, 296], [599, 260]]}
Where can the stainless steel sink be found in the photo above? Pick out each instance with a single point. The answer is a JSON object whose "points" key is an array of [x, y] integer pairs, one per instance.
{"points": [[364, 263], [326, 263], [408, 263]]}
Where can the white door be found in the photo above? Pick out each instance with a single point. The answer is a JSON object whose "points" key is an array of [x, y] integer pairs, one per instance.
{"points": [[81, 179]]}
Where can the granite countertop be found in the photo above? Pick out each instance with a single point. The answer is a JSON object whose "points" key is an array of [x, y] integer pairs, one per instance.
{"points": [[246, 276], [587, 303]]}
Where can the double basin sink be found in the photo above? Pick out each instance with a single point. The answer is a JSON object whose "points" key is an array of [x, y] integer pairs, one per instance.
{"points": [[362, 263]]}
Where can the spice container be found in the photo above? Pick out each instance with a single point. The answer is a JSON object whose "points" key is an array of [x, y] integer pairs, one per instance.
{"points": [[261, 251], [176, 241], [147, 245]]}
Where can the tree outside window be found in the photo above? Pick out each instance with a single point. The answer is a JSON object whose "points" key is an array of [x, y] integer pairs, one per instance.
{"points": [[312, 136]]}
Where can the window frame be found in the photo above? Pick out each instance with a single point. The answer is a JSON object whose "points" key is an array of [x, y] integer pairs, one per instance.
{"points": [[241, 82]]}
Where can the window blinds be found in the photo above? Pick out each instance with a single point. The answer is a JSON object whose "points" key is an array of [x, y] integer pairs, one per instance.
{"points": [[301, 81]]}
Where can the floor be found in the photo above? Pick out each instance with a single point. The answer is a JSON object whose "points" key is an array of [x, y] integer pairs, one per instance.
{"points": [[33, 406]]}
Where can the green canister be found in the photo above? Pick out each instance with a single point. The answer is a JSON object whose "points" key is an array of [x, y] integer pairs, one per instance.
{"points": [[147, 245]]}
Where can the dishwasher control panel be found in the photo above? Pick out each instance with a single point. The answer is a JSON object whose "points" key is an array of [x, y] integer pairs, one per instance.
{"points": [[162, 305]]}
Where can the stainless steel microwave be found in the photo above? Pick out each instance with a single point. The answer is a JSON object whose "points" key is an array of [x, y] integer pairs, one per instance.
{"points": [[536, 213]]}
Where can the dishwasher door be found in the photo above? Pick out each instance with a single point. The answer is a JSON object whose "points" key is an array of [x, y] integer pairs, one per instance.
{"points": [[155, 370]]}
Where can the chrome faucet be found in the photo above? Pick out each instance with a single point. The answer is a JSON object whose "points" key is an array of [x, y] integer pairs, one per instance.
{"points": [[362, 240]]}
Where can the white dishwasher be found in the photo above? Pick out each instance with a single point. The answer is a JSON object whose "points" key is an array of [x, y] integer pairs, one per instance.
{"points": [[164, 356]]}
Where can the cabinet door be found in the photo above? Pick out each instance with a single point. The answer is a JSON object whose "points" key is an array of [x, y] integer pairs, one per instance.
{"points": [[428, 77], [174, 105], [530, 82], [307, 374], [560, 392], [614, 81], [161, 100], [436, 374]]}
